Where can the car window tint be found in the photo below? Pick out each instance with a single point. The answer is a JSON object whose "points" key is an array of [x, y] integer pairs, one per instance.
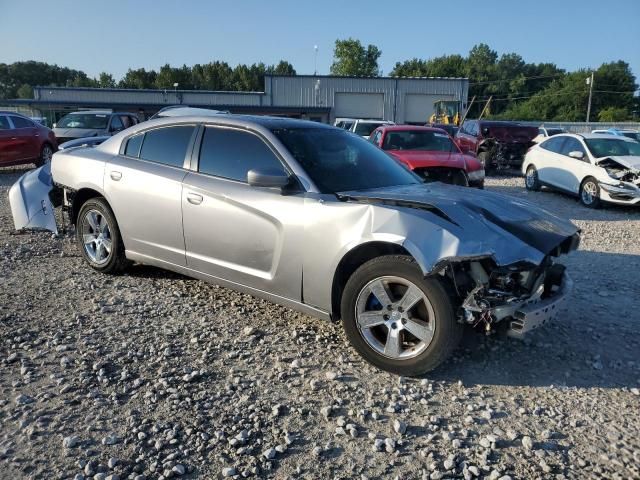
{"points": [[554, 144], [232, 153], [19, 122], [116, 123], [4, 123], [133, 145], [167, 145], [571, 145]]}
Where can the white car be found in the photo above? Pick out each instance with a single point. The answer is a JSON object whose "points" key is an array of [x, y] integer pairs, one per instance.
{"points": [[365, 127], [597, 168], [344, 123], [632, 134], [546, 132]]}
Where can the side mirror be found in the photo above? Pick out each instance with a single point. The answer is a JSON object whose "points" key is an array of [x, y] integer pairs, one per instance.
{"points": [[485, 131], [577, 155], [268, 177], [55, 125]]}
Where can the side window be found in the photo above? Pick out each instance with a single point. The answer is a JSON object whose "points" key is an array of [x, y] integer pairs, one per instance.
{"points": [[232, 153], [475, 128], [541, 131], [116, 123], [4, 123], [572, 145], [126, 121], [465, 127], [167, 145], [554, 144], [133, 145], [19, 122], [375, 138]]}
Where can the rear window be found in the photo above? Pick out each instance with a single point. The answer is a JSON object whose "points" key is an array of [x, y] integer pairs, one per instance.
{"points": [[365, 129], [167, 145]]}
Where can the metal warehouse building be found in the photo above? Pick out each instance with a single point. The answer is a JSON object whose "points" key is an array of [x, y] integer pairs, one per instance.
{"points": [[320, 98]]}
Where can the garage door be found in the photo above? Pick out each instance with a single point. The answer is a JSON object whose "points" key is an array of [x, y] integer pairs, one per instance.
{"points": [[419, 107], [359, 105]]}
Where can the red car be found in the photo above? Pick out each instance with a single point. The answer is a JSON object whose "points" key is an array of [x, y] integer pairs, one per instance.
{"points": [[431, 153], [24, 141]]}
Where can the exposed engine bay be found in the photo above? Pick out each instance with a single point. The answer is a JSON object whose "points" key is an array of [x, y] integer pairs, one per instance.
{"points": [[505, 155], [620, 172], [452, 176], [518, 298]]}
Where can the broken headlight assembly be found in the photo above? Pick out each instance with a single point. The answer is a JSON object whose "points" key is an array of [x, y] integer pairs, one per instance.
{"points": [[490, 294]]}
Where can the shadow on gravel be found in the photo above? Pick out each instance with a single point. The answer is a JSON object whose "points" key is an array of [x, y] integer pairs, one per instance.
{"points": [[593, 344], [147, 271]]}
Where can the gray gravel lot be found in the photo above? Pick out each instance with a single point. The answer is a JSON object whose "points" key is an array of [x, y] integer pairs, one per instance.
{"points": [[154, 375]]}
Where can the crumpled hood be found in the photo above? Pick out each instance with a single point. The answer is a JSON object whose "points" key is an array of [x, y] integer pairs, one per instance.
{"points": [[424, 159], [484, 223], [512, 133], [627, 161], [75, 132]]}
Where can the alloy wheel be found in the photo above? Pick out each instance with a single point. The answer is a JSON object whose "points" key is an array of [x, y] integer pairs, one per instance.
{"points": [[395, 317], [96, 236], [589, 193], [530, 177], [47, 153]]}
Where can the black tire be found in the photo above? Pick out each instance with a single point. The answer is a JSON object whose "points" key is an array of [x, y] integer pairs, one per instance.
{"points": [[115, 261], [45, 155], [446, 331], [590, 200], [487, 162], [531, 180]]}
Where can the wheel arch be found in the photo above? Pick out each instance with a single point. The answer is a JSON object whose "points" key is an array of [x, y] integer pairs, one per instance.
{"points": [[79, 198], [356, 257]]}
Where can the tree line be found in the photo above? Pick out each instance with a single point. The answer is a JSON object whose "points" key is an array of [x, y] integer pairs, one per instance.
{"points": [[518, 89]]}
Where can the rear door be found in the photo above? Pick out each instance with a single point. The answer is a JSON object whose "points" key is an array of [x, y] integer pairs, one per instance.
{"points": [[464, 137], [247, 235], [144, 187], [24, 132]]}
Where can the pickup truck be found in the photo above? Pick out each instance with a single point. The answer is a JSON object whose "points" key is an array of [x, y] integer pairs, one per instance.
{"points": [[498, 145]]}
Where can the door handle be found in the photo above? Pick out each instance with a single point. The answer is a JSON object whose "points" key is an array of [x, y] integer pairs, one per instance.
{"points": [[194, 198], [14, 138], [116, 175]]}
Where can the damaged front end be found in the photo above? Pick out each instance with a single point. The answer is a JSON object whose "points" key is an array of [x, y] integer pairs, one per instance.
{"points": [[518, 298], [625, 184]]}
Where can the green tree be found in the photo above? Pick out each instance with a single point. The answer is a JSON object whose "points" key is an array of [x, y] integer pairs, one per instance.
{"points": [[106, 80], [614, 114], [444, 66], [212, 76], [139, 78], [283, 68], [168, 76], [351, 58], [25, 91]]}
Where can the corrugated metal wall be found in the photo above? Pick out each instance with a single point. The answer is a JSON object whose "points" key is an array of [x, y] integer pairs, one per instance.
{"points": [[297, 92]]}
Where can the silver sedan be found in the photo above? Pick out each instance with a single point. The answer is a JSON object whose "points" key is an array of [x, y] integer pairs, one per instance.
{"points": [[316, 219]]}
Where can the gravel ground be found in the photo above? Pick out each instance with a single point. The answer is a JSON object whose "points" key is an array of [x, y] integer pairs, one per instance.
{"points": [[154, 375]]}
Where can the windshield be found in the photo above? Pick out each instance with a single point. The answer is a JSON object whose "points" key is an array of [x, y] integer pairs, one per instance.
{"points": [[418, 140], [555, 131], [364, 129], [95, 121], [612, 147], [339, 161]]}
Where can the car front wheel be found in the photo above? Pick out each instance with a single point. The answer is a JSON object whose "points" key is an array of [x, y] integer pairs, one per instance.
{"points": [[397, 319], [531, 181], [590, 193], [99, 238]]}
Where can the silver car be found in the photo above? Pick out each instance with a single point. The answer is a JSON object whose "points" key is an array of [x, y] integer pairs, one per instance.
{"points": [[316, 219], [92, 123]]}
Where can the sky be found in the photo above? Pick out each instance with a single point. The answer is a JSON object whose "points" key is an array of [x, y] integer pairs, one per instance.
{"points": [[115, 35]]}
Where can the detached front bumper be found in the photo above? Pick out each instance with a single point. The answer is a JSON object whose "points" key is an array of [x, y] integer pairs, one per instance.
{"points": [[30, 202], [537, 312]]}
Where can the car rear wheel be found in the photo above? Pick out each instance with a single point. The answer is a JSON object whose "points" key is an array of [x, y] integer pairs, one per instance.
{"points": [[99, 238], [590, 193], [46, 153], [531, 181], [397, 319]]}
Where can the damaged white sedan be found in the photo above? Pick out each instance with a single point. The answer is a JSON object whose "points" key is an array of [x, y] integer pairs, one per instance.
{"points": [[597, 168], [316, 219]]}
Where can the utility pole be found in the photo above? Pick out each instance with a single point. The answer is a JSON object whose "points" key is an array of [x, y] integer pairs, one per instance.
{"points": [[315, 60], [590, 83]]}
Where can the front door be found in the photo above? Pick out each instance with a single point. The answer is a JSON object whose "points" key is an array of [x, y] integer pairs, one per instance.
{"points": [[144, 187], [24, 131], [247, 235]]}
